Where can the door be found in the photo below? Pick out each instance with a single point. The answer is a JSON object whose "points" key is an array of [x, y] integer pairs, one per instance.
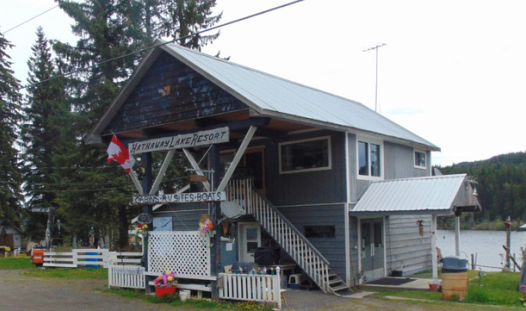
{"points": [[254, 161], [249, 241], [372, 245]]}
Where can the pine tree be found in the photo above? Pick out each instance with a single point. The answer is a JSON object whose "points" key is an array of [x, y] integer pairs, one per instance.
{"points": [[10, 116], [107, 30], [43, 135], [182, 18], [96, 198]]}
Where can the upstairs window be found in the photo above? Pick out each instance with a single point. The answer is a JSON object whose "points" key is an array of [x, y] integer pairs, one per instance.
{"points": [[420, 159], [370, 159], [305, 155]]}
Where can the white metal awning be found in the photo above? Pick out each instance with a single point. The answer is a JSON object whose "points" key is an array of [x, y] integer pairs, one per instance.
{"points": [[438, 195]]}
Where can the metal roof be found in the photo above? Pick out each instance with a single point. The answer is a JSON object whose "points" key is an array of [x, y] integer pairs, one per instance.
{"points": [[274, 96], [434, 194]]}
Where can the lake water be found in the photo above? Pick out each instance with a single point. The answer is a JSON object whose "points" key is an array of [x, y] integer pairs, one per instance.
{"points": [[487, 245]]}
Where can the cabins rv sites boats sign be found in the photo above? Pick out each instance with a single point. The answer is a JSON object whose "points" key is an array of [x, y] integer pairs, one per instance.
{"points": [[196, 197], [215, 136]]}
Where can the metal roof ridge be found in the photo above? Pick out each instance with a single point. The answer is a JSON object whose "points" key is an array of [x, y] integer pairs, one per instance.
{"points": [[198, 53], [273, 76], [420, 178]]}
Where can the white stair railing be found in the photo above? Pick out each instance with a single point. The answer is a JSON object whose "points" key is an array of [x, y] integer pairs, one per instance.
{"points": [[242, 192]]}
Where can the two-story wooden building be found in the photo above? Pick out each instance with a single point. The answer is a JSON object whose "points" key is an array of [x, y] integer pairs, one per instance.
{"points": [[346, 193]]}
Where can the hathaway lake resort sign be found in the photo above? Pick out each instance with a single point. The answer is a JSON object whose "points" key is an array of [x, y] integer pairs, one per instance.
{"points": [[196, 197], [215, 136]]}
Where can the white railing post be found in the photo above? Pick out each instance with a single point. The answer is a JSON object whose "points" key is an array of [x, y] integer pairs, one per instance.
{"points": [[277, 287], [110, 274], [75, 257]]}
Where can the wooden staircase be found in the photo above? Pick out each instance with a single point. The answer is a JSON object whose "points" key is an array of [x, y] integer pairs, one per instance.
{"points": [[290, 239]]}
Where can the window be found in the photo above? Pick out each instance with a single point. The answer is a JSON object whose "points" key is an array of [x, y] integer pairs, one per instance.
{"points": [[305, 155], [370, 159], [420, 159], [320, 231]]}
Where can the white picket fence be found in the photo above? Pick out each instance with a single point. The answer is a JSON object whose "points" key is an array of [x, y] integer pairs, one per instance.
{"points": [[126, 276], [261, 288], [80, 257]]}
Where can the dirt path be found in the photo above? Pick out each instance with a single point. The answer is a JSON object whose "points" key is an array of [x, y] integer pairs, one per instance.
{"points": [[20, 293]]}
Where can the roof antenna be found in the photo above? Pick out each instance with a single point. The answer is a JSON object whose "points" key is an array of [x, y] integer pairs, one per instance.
{"points": [[379, 45]]}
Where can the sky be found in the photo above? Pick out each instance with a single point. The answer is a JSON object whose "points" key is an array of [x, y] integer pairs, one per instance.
{"points": [[453, 72]]}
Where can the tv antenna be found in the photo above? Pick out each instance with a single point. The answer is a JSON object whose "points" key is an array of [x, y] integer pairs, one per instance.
{"points": [[376, 47]]}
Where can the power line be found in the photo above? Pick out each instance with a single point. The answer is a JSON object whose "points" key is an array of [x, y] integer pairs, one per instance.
{"points": [[30, 19], [165, 43]]}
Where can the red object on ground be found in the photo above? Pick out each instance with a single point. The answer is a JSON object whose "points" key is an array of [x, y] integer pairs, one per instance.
{"points": [[434, 287], [163, 291], [38, 256]]}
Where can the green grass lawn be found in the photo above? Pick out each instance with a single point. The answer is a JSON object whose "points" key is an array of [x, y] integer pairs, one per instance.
{"points": [[497, 288], [14, 263]]}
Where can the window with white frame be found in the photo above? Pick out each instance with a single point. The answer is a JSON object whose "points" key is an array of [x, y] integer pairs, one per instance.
{"points": [[370, 160], [420, 159], [305, 155]]}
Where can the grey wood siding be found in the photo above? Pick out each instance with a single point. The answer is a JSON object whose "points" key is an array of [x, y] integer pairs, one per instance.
{"points": [[331, 248], [353, 244], [400, 162], [406, 249], [191, 96], [316, 187]]}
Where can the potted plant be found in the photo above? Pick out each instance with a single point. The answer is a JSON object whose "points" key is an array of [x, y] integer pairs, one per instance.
{"points": [[165, 284]]}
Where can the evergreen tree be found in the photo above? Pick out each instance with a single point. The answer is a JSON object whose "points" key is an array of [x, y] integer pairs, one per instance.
{"points": [[109, 29], [43, 136], [98, 197], [182, 18], [10, 116], [501, 185]]}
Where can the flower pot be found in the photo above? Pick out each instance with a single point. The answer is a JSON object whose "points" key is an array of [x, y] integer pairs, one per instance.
{"points": [[433, 287], [163, 291]]}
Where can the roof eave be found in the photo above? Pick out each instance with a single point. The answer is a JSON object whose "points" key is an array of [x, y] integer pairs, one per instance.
{"points": [[333, 126], [366, 214]]}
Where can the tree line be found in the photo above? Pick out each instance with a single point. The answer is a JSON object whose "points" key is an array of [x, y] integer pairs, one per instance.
{"points": [[501, 186], [44, 159]]}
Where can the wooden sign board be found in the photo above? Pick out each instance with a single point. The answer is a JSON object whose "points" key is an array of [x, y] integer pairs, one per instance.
{"points": [[200, 178], [195, 197], [208, 137]]}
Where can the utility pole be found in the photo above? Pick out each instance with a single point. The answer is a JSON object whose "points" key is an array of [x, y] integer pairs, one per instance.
{"points": [[379, 45]]}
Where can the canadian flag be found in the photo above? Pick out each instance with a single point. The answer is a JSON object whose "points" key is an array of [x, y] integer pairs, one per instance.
{"points": [[117, 152]]}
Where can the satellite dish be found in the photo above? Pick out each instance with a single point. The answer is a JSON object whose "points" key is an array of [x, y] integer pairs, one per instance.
{"points": [[232, 209]]}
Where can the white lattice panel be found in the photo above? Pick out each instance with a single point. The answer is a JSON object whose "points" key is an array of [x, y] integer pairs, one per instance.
{"points": [[186, 253]]}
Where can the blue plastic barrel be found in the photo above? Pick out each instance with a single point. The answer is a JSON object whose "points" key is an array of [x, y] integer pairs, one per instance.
{"points": [[92, 259]]}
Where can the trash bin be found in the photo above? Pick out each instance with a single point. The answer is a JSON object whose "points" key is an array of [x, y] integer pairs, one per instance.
{"points": [[37, 256], [92, 259], [454, 278]]}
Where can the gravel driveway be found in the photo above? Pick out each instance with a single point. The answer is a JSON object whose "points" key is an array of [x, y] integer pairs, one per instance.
{"points": [[20, 293]]}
